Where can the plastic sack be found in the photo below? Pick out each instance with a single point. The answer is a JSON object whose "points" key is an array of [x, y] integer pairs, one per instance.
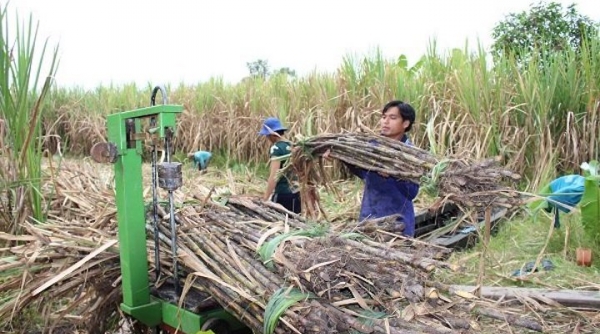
{"points": [[566, 190]]}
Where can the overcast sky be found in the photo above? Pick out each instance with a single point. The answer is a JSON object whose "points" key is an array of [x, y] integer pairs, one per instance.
{"points": [[190, 41]]}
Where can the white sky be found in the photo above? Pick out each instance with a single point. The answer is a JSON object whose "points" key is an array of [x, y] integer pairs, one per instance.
{"points": [[190, 41]]}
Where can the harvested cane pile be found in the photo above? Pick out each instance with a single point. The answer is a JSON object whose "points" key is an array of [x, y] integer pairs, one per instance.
{"points": [[474, 184], [225, 242], [67, 269], [275, 272], [341, 283]]}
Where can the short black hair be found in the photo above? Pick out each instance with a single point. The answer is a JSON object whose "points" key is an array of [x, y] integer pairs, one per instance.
{"points": [[280, 132], [406, 111]]}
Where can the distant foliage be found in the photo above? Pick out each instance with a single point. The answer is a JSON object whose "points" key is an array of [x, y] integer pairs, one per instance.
{"points": [[544, 28], [287, 71], [258, 68]]}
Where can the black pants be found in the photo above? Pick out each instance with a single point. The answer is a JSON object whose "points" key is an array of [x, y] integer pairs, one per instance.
{"points": [[289, 201]]}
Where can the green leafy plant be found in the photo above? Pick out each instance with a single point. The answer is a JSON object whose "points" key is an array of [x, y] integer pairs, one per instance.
{"points": [[280, 301], [545, 28], [590, 201], [21, 107], [267, 249]]}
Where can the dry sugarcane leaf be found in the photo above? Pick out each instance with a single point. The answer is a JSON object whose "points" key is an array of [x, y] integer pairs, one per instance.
{"points": [[267, 234], [320, 265], [359, 299], [465, 294], [408, 313], [74, 267]]}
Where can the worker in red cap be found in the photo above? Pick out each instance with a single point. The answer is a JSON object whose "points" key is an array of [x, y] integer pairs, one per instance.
{"points": [[280, 188]]}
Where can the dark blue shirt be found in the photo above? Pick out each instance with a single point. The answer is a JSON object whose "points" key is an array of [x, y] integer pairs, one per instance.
{"points": [[385, 196]]}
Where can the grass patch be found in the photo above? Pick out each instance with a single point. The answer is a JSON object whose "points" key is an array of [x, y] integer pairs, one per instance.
{"points": [[521, 240]]}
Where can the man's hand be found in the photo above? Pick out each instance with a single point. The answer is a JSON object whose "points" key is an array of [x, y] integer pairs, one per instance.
{"points": [[383, 174], [326, 154]]}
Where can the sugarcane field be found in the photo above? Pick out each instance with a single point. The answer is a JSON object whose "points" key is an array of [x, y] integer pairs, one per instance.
{"points": [[458, 194]]}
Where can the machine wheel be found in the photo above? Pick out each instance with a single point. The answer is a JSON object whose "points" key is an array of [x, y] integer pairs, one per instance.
{"points": [[218, 326]]}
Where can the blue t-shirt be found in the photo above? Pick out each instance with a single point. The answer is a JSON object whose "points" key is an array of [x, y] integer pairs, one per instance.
{"points": [[385, 196], [201, 159]]}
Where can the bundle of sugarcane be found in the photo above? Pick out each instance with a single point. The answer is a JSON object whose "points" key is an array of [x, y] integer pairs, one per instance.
{"points": [[221, 246], [467, 183], [361, 277]]}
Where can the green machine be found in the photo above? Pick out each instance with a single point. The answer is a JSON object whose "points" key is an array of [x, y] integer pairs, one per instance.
{"points": [[153, 304]]}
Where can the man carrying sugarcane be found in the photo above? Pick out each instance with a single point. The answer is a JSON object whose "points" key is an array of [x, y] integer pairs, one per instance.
{"points": [[385, 196], [279, 187]]}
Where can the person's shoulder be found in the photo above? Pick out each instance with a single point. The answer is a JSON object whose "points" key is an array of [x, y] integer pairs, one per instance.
{"points": [[406, 140], [281, 148]]}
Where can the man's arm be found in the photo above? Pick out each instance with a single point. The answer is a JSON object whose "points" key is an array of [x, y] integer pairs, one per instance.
{"points": [[355, 170], [409, 189], [274, 168]]}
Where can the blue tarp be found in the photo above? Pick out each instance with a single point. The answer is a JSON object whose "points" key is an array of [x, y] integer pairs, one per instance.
{"points": [[565, 190]]}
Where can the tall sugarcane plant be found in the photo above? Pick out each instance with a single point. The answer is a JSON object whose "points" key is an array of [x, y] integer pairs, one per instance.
{"points": [[21, 107]]}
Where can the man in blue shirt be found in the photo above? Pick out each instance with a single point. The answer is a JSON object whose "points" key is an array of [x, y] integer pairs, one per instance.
{"points": [[383, 195]]}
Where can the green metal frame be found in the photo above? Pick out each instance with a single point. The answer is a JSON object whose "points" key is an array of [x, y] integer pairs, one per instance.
{"points": [[189, 322], [130, 209], [131, 217]]}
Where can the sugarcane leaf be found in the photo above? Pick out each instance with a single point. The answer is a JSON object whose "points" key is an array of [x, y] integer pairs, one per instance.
{"points": [[429, 182], [368, 317], [408, 313], [267, 249], [590, 168], [279, 302], [430, 130], [267, 234], [352, 236]]}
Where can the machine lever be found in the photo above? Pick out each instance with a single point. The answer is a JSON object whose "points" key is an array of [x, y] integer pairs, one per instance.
{"points": [[157, 271], [163, 92], [170, 178], [155, 208]]}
